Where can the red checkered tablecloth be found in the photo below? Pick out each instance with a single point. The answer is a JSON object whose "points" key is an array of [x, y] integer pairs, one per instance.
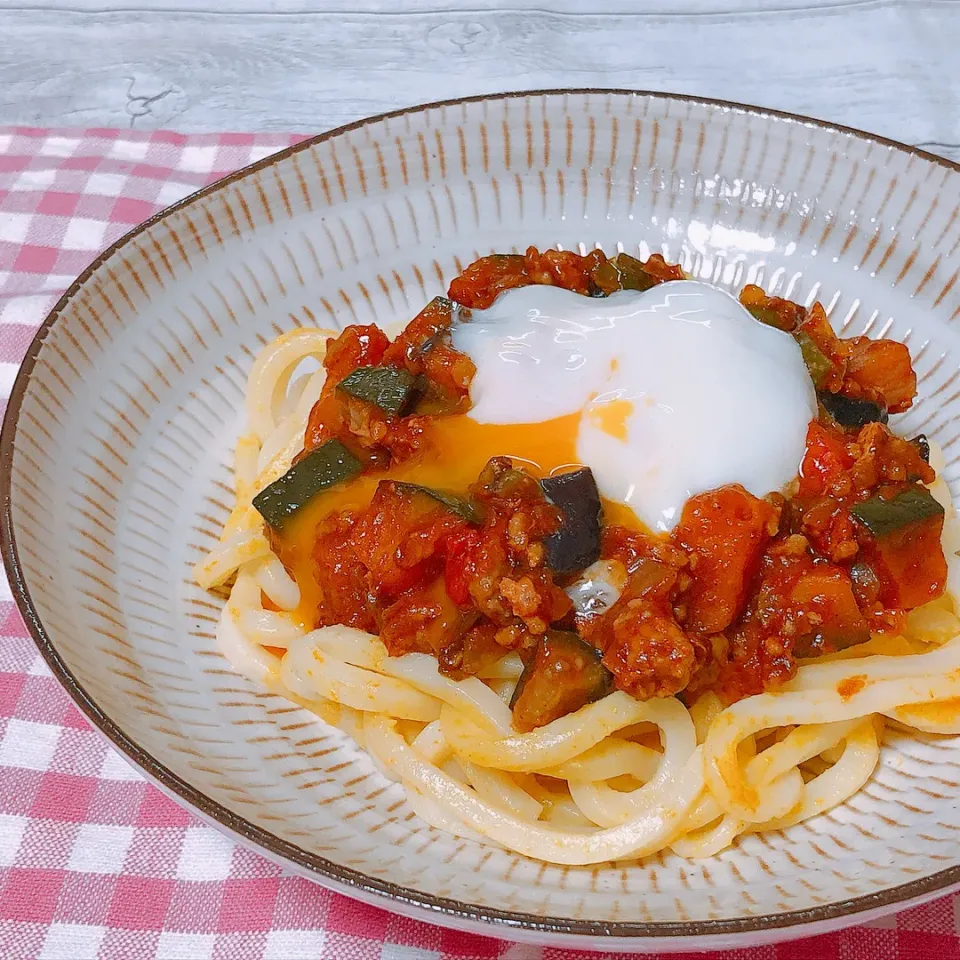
{"points": [[94, 862]]}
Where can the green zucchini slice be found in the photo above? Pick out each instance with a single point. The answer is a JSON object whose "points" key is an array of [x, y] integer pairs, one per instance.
{"points": [[330, 464]]}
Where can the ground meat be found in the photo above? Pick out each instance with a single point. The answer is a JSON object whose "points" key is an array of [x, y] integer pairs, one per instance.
{"points": [[650, 656], [643, 645]]}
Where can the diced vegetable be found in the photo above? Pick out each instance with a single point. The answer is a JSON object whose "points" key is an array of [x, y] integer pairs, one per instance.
{"points": [[818, 364], [577, 543], [485, 279], [500, 478], [826, 462], [357, 346], [391, 389], [724, 531], [909, 564], [461, 548], [422, 334], [401, 537], [329, 464], [623, 272], [468, 654], [923, 447], [883, 517], [341, 579], [461, 506], [773, 311], [849, 412], [823, 351], [900, 541], [880, 370], [443, 374], [661, 271], [828, 591], [563, 675], [767, 315]]}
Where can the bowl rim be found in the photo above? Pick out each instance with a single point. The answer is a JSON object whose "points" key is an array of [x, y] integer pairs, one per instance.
{"points": [[346, 878]]}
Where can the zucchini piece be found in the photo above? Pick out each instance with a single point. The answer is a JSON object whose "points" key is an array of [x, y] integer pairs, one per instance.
{"points": [[884, 517], [922, 444], [773, 311], [622, 272], [633, 276], [818, 364], [766, 315], [331, 463], [564, 674], [392, 389], [849, 412], [576, 544], [456, 504]]}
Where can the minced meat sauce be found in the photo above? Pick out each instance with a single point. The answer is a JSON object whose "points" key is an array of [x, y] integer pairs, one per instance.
{"points": [[441, 540]]}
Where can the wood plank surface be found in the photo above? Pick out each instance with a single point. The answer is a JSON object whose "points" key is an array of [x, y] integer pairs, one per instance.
{"points": [[294, 65]]}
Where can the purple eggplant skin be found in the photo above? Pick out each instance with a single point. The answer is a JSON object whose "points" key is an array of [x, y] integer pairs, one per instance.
{"points": [[577, 543], [851, 413], [564, 674]]}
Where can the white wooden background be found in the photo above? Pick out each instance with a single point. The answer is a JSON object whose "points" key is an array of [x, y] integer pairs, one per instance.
{"points": [[889, 66]]}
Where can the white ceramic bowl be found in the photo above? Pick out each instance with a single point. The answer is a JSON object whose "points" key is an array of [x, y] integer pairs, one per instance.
{"points": [[118, 438]]}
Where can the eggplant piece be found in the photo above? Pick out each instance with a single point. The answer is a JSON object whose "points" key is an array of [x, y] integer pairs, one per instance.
{"points": [[901, 544], [829, 591], [471, 652], [424, 619], [849, 412], [456, 504], [331, 463], [885, 517], [564, 674], [576, 544], [922, 444], [392, 389]]}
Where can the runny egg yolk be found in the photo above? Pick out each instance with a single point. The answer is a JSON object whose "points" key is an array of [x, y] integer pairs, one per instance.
{"points": [[458, 450], [611, 417]]}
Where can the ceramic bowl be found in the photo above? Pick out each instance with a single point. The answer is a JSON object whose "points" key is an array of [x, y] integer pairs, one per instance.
{"points": [[117, 449]]}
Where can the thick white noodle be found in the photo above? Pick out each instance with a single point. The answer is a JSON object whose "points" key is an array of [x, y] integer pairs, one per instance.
{"points": [[608, 807], [648, 833], [272, 370]]}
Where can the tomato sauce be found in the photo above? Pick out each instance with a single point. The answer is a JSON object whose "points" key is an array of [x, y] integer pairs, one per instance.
{"points": [[439, 543]]}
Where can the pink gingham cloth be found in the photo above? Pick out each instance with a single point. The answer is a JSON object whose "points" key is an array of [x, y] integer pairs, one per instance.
{"points": [[94, 862]]}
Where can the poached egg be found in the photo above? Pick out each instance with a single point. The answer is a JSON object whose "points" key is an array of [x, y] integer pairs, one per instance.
{"points": [[674, 391]]}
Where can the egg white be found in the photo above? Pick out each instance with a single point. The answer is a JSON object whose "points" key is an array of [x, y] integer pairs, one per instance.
{"points": [[680, 389]]}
